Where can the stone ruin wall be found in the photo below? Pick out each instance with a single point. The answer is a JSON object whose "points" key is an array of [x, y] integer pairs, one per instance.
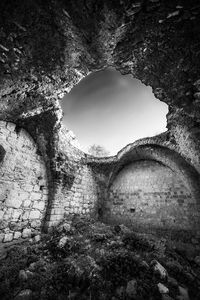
{"points": [[23, 185], [154, 41], [144, 193], [24, 193], [83, 196], [148, 194], [150, 186], [76, 190]]}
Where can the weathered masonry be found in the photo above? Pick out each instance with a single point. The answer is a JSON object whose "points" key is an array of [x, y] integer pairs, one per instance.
{"points": [[47, 47], [23, 184]]}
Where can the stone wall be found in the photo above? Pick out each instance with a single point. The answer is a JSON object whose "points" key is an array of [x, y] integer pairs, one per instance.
{"points": [[83, 196], [147, 185], [23, 185], [148, 194], [135, 39], [76, 191]]}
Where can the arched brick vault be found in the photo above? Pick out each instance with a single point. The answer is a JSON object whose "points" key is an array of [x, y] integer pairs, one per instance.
{"points": [[46, 47], [164, 156], [156, 151]]}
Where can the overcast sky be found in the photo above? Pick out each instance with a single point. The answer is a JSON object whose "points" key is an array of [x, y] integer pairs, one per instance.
{"points": [[112, 110]]}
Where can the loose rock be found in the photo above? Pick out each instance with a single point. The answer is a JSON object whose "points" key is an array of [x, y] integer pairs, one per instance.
{"points": [[131, 289], [24, 295], [162, 288], [159, 269]]}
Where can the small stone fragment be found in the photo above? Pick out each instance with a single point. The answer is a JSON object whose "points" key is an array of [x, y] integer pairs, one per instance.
{"points": [[17, 235], [144, 264], [26, 233], [22, 275], [131, 289], [173, 14], [63, 241], [8, 237], [172, 282], [37, 238], [183, 293], [24, 295], [159, 269], [67, 227], [162, 288]]}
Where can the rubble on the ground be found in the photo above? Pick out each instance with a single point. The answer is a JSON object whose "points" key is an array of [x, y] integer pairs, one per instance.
{"points": [[85, 259]]}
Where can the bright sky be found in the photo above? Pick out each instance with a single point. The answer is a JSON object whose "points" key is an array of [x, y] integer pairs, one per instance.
{"points": [[112, 110]]}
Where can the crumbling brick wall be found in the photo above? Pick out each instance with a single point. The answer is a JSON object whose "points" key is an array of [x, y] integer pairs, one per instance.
{"points": [[23, 185], [83, 196], [146, 194]]}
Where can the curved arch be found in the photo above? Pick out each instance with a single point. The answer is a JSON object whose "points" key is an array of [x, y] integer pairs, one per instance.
{"points": [[164, 156], [153, 188]]}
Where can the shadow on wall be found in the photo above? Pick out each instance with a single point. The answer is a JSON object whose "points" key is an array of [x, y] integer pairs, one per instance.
{"points": [[2, 153]]}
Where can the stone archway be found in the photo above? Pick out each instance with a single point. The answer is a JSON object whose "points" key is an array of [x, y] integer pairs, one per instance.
{"points": [[43, 54], [152, 187]]}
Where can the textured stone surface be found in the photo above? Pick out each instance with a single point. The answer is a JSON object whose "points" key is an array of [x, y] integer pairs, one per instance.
{"points": [[149, 186], [22, 169], [147, 193], [46, 47]]}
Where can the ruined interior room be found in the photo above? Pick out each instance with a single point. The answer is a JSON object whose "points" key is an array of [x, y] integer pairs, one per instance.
{"points": [[74, 225]]}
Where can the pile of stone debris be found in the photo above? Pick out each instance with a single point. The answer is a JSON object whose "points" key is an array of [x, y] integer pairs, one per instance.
{"points": [[84, 259]]}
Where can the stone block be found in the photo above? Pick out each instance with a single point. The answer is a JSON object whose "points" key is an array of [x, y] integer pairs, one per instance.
{"points": [[34, 214], [1, 214], [8, 237], [35, 196], [39, 205], [45, 197], [37, 238], [26, 233], [26, 215], [23, 195], [14, 202], [36, 223], [27, 203], [28, 188], [8, 214], [3, 224], [16, 214], [11, 126], [162, 288], [17, 235], [36, 188]]}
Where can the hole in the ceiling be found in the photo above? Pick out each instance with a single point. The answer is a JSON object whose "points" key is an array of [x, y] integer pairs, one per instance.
{"points": [[112, 110]]}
